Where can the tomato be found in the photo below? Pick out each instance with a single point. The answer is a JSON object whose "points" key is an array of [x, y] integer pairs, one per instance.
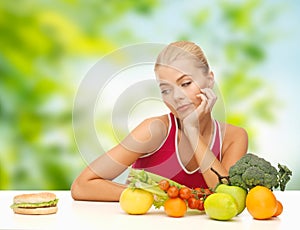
{"points": [[202, 192], [199, 192], [164, 185], [193, 203], [207, 191], [185, 193], [173, 191], [175, 207], [201, 204], [198, 189]]}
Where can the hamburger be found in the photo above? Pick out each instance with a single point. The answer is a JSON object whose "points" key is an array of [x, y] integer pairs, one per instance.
{"points": [[35, 203]]}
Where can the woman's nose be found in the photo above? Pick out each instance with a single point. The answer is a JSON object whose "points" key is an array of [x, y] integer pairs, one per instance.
{"points": [[178, 93]]}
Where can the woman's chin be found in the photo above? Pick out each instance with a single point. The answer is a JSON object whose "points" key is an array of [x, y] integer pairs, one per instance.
{"points": [[183, 114]]}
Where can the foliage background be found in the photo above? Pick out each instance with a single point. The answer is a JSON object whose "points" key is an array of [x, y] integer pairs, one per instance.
{"points": [[47, 47]]}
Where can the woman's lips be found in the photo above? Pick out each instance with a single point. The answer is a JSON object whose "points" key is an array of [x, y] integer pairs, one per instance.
{"points": [[182, 108]]}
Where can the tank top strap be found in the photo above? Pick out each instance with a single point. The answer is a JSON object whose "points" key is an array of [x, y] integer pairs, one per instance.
{"points": [[217, 140], [216, 143], [173, 123]]}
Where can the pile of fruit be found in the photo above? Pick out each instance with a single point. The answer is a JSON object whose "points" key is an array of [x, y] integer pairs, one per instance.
{"points": [[222, 203]]}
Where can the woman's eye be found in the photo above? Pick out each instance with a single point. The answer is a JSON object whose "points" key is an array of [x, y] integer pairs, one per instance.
{"points": [[185, 84], [165, 91]]}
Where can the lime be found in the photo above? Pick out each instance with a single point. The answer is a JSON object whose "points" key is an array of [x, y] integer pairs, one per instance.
{"points": [[136, 201], [220, 206]]}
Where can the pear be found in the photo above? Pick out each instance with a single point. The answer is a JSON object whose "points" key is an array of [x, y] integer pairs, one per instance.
{"points": [[238, 193]]}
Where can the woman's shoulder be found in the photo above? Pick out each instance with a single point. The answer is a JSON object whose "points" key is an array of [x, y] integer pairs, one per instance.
{"points": [[148, 135], [159, 123], [235, 139], [153, 125], [233, 132], [163, 118]]}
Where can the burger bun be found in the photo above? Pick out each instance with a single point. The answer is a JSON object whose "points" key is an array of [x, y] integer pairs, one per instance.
{"points": [[34, 197], [35, 211]]}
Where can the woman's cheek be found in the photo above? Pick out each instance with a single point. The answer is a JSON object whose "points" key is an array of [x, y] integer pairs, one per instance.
{"points": [[171, 107], [192, 95], [166, 99], [196, 99]]}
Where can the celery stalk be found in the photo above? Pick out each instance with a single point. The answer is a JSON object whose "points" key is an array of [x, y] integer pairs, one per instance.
{"points": [[145, 176], [154, 189], [150, 182]]}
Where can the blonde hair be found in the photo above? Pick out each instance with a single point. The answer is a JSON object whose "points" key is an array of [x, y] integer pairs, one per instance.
{"points": [[181, 50]]}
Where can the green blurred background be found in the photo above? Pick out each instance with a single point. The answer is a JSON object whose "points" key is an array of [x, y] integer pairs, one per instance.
{"points": [[47, 47]]}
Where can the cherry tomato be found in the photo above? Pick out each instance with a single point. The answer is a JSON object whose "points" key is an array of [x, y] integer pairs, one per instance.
{"points": [[201, 205], [193, 203], [164, 185], [199, 192], [193, 193], [173, 191], [184, 193], [207, 191]]}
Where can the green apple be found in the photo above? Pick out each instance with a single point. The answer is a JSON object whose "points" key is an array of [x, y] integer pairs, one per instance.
{"points": [[220, 206], [238, 193]]}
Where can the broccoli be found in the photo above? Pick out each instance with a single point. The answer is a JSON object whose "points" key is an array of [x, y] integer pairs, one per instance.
{"points": [[252, 170]]}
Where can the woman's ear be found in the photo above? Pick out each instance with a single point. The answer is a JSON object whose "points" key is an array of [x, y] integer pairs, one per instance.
{"points": [[211, 78]]}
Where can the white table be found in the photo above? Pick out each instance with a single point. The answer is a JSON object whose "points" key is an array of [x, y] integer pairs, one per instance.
{"points": [[109, 215]]}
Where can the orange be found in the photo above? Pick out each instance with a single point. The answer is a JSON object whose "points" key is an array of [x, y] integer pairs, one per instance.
{"points": [[279, 208], [261, 203], [175, 207]]}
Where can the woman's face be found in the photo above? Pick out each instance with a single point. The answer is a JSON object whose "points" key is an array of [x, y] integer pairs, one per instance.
{"points": [[179, 90]]}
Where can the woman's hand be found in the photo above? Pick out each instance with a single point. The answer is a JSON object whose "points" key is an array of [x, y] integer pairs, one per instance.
{"points": [[208, 99], [193, 130]]}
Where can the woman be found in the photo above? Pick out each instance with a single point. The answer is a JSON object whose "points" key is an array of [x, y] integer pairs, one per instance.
{"points": [[182, 145]]}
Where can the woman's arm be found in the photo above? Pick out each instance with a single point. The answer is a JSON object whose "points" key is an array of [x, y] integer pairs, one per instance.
{"points": [[95, 181], [89, 186], [234, 146]]}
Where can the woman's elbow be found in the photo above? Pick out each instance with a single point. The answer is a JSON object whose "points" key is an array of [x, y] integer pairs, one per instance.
{"points": [[76, 190]]}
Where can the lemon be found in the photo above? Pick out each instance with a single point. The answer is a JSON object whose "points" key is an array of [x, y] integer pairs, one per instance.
{"points": [[136, 201], [220, 206]]}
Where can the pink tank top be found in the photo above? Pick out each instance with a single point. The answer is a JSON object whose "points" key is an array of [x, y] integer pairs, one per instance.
{"points": [[166, 161]]}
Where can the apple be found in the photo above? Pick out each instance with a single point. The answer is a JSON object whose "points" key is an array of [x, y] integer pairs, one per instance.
{"points": [[238, 193]]}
